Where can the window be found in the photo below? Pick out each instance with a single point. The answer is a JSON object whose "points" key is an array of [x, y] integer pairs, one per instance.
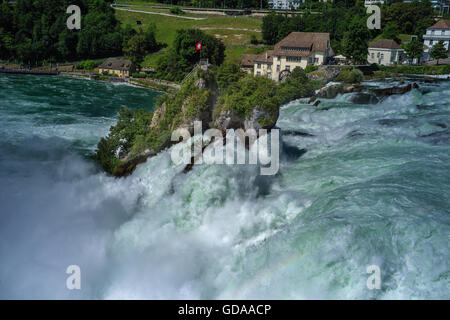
{"points": [[258, 73], [278, 68], [293, 59], [269, 75], [382, 56], [259, 65], [372, 55], [316, 60], [288, 68]]}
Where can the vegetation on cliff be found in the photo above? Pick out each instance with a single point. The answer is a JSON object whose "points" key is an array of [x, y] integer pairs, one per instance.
{"points": [[220, 97]]}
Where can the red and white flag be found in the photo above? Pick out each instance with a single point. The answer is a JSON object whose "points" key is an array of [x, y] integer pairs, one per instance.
{"points": [[198, 46]]}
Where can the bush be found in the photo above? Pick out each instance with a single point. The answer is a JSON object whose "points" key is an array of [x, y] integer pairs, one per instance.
{"points": [[138, 75], [176, 10], [353, 76], [311, 68], [87, 65], [295, 87], [440, 69], [227, 74], [121, 139], [253, 39], [249, 92]]}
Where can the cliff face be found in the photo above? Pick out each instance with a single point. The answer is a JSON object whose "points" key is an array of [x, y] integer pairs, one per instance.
{"points": [[199, 99]]}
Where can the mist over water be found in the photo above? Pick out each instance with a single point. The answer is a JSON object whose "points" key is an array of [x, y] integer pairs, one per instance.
{"points": [[367, 184]]}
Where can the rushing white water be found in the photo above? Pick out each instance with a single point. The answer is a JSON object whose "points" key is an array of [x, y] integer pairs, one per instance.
{"points": [[368, 186]]}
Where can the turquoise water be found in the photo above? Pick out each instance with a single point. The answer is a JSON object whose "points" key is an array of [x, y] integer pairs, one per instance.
{"points": [[367, 186]]}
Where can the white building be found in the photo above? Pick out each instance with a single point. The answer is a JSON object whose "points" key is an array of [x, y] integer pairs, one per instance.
{"points": [[285, 4], [385, 52], [435, 33], [298, 49], [371, 2]]}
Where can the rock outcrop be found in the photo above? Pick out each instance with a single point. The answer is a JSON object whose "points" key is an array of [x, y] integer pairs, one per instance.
{"points": [[331, 91]]}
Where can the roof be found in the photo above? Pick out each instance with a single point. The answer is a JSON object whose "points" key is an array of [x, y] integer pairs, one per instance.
{"points": [[441, 24], [384, 44], [248, 60], [266, 57], [307, 41], [116, 64]]}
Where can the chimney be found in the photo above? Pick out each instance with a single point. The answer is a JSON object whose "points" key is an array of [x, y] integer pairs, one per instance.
{"points": [[266, 55]]}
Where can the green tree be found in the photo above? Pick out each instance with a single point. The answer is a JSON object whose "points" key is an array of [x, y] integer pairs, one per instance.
{"points": [[391, 31], [227, 74], [151, 45], [355, 42], [136, 49], [183, 55], [270, 27], [438, 51], [414, 49]]}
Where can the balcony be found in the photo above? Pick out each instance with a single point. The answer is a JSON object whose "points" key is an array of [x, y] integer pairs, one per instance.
{"points": [[436, 37]]}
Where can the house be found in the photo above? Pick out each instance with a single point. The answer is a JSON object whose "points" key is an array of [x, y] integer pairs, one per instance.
{"points": [[374, 2], [386, 52], [116, 67], [285, 4], [248, 62], [298, 49], [435, 33]]}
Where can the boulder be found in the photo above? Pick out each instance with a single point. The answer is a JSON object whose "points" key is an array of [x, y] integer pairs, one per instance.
{"points": [[384, 92], [364, 98], [331, 91]]}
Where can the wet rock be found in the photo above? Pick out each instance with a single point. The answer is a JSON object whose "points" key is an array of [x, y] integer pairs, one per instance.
{"points": [[297, 133], [316, 103], [384, 92], [415, 85], [364, 98], [128, 165], [331, 91], [260, 119], [390, 122], [312, 99]]}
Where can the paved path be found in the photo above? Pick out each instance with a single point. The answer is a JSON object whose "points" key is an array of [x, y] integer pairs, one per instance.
{"points": [[159, 13]]}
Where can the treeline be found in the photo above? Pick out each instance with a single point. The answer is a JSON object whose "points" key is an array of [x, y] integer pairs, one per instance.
{"points": [[344, 23], [36, 31]]}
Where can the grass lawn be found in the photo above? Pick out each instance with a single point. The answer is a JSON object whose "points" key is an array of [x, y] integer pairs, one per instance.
{"points": [[232, 30], [235, 32], [234, 53]]}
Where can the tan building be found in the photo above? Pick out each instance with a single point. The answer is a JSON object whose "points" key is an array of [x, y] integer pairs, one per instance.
{"points": [[386, 52], [117, 67], [298, 49]]}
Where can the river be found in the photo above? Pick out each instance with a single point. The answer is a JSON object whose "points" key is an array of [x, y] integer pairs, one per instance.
{"points": [[367, 185]]}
